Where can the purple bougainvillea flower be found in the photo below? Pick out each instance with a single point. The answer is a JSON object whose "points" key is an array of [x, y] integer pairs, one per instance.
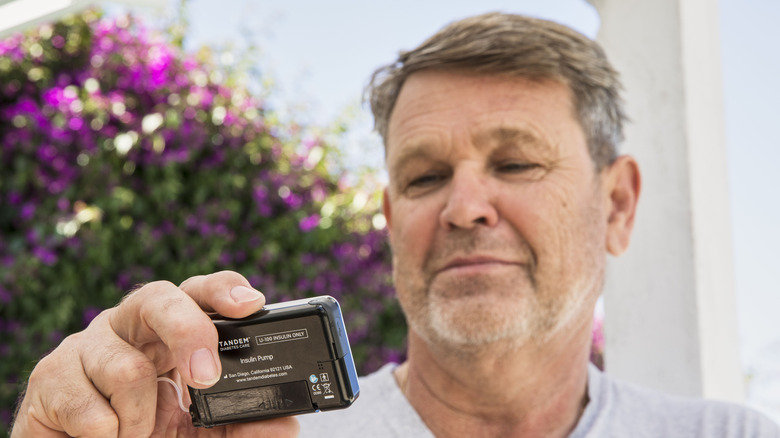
{"points": [[5, 296], [308, 223], [89, 314], [28, 211], [45, 255]]}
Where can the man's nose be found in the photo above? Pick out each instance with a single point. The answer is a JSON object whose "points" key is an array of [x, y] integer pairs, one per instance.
{"points": [[470, 201]]}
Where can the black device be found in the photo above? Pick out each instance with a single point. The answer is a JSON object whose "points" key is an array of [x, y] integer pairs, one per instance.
{"points": [[287, 359]]}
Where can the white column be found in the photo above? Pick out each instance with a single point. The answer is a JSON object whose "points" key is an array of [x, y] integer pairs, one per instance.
{"points": [[669, 302]]}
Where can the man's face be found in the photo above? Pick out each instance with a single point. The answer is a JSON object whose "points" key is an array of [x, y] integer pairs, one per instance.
{"points": [[496, 214]]}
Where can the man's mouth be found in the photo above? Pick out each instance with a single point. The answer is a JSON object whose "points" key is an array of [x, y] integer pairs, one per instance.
{"points": [[475, 264]]}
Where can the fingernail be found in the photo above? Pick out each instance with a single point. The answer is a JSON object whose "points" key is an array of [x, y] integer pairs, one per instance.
{"points": [[203, 367], [243, 294]]}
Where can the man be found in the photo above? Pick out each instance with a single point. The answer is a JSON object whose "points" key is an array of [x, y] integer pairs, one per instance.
{"points": [[505, 194]]}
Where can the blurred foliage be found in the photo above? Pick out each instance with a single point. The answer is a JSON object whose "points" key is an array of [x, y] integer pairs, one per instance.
{"points": [[125, 160]]}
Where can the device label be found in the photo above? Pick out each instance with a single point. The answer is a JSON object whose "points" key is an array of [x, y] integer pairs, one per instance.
{"points": [[271, 353], [234, 344], [259, 374], [273, 338]]}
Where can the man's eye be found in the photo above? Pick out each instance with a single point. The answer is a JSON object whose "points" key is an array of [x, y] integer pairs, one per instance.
{"points": [[516, 167], [425, 180]]}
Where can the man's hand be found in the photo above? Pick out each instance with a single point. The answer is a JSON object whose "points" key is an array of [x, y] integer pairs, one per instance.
{"points": [[102, 382]]}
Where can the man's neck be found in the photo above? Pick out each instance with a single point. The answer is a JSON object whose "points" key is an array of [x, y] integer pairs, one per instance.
{"points": [[529, 391]]}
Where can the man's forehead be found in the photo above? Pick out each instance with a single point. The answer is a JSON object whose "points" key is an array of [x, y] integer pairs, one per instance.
{"points": [[510, 121], [419, 86]]}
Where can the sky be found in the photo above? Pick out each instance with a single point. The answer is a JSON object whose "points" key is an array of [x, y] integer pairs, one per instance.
{"points": [[321, 55]]}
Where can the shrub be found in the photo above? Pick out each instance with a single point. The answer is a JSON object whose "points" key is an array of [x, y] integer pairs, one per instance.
{"points": [[124, 160]]}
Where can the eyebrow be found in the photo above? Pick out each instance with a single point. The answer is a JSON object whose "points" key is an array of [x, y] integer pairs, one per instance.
{"points": [[409, 155], [504, 136]]}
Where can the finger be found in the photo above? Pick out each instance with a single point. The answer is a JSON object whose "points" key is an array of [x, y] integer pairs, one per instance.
{"points": [[169, 327], [31, 421], [29, 426], [123, 375], [227, 293], [62, 399]]}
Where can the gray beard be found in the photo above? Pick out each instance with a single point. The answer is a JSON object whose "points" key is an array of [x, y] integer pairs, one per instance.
{"points": [[461, 320]]}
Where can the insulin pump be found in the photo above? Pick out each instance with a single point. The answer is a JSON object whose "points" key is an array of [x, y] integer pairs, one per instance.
{"points": [[287, 359]]}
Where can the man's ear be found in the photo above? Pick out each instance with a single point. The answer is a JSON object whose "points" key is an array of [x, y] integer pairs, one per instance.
{"points": [[386, 210], [623, 184]]}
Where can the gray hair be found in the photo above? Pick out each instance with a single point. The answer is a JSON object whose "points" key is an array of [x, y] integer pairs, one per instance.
{"points": [[515, 45]]}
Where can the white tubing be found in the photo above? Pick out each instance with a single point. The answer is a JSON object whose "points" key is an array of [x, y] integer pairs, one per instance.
{"points": [[178, 392]]}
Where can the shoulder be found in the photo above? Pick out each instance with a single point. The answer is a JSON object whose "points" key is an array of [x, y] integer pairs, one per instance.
{"points": [[619, 408], [381, 411]]}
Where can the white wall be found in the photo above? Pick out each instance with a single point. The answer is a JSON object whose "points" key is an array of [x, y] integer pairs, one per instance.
{"points": [[669, 302]]}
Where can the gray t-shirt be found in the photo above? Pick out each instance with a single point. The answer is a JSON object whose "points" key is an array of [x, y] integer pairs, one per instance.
{"points": [[616, 409]]}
